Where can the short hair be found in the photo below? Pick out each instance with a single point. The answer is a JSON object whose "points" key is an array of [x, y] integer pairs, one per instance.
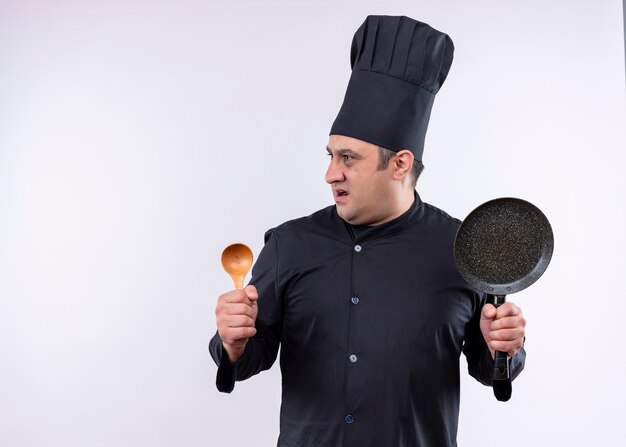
{"points": [[385, 155]]}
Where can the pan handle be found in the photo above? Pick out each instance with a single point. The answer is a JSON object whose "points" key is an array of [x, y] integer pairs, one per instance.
{"points": [[502, 388], [501, 367]]}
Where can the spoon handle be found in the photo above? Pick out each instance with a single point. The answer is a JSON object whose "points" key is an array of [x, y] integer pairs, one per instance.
{"points": [[238, 281]]}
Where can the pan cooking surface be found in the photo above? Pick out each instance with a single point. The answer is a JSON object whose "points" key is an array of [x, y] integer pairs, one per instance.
{"points": [[503, 246]]}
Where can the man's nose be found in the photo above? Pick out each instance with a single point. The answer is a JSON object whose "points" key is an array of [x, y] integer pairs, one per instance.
{"points": [[334, 173]]}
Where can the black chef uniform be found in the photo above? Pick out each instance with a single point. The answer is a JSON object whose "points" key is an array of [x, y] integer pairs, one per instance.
{"points": [[371, 323]]}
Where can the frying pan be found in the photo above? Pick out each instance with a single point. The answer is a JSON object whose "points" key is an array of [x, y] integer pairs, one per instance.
{"points": [[502, 247]]}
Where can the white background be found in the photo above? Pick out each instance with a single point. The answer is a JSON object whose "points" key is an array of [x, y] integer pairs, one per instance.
{"points": [[138, 139]]}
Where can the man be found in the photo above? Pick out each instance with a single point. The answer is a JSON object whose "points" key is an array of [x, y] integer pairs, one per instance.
{"points": [[364, 297]]}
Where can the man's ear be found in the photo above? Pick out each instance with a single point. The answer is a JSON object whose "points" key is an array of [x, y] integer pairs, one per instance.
{"points": [[402, 164]]}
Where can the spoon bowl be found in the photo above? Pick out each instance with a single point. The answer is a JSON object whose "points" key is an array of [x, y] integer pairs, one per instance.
{"points": [[237, 260]]}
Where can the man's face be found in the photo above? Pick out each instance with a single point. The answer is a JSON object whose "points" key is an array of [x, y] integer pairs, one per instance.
{"points": [[364, 194]]}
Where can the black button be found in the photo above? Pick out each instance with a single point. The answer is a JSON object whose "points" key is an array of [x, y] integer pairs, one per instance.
{"points": [[349, 419]]}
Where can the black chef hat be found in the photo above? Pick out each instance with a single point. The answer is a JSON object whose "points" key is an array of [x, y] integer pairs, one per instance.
{"points": [[398, 64]]}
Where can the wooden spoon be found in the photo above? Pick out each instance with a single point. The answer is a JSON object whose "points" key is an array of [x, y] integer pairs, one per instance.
{"points": [[237, 260]]}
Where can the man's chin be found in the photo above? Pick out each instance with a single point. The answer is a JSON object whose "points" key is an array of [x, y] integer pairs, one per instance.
{"points": [[342, 212], [346, 215]]}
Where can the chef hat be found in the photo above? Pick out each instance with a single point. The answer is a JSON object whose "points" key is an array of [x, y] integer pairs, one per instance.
{"points": [[398, 65]]}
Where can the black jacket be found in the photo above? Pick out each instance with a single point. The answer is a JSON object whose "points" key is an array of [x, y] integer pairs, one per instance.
{"points": [[371, 322]]}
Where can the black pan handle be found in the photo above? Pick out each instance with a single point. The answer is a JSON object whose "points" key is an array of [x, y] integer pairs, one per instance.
{"points": [[501, 367], [502, 388]]}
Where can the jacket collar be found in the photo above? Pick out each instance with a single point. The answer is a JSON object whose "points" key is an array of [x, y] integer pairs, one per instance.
{"points": [[362, 233]]}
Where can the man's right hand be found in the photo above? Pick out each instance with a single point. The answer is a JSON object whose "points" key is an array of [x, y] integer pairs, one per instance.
{"points": [[236, 313]]}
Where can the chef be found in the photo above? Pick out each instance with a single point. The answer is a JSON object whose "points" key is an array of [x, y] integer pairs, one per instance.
{"points": [[363, 297]]}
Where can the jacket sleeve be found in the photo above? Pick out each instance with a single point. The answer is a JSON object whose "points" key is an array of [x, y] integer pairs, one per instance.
{"points": [[261, 350], [479, 361]]}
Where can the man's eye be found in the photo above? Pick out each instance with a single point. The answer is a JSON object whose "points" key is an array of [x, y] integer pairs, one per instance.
{"points": [[347, 157]]}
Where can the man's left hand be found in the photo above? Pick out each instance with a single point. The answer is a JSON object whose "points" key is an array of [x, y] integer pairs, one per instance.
{"points": [[503, 328]]}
